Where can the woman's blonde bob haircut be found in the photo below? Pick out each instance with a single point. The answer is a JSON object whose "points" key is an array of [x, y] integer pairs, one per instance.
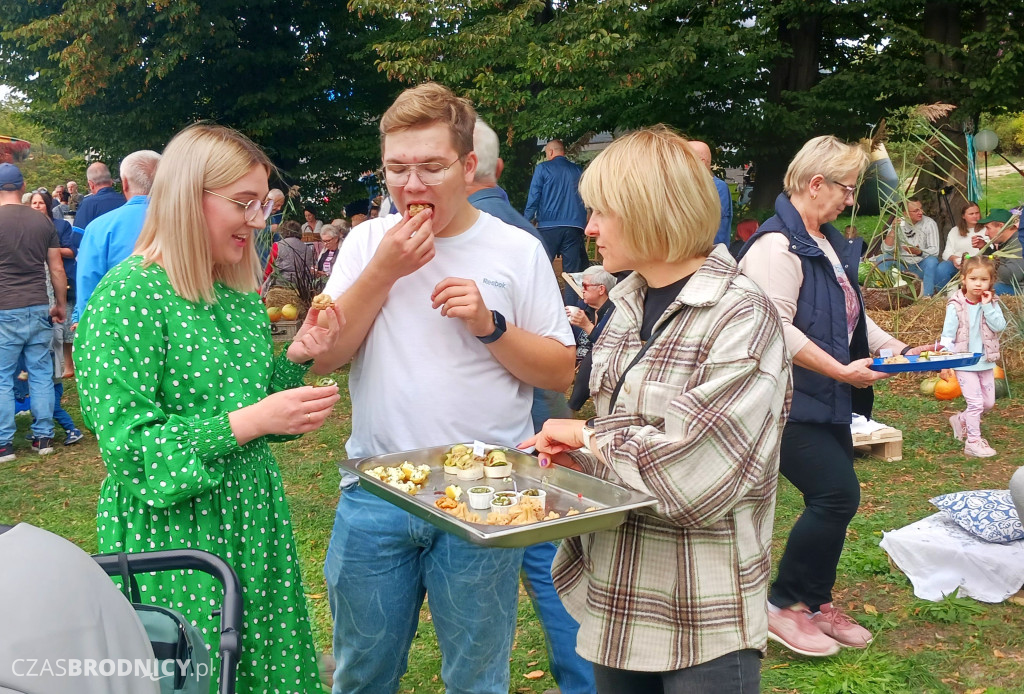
{"points": [[661, 192], [175, 234], [827, 156]]}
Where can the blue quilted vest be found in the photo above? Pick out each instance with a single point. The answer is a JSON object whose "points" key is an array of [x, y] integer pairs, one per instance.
{"points": [[821, 316]]}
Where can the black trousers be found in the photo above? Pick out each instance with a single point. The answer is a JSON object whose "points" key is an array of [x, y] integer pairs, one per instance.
{"points": [[818, 460], [738, 672]]}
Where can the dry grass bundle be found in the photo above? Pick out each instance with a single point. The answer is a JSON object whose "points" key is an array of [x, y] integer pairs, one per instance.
{"points": [[279, 296], [921, 324]]}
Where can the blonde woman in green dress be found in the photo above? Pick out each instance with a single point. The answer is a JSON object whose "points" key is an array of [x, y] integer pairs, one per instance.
{"points": [[178, 378]]}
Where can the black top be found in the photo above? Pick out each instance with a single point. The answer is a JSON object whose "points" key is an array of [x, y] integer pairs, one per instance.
{"points": [[655, 303]]}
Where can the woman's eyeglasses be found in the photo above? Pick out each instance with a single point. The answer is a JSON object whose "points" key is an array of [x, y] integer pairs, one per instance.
{"points": [[252, 208]]}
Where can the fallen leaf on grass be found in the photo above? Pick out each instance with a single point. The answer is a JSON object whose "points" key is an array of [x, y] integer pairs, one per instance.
{"points": [[780, 665], [998, 653], [870, 609], [980, 690], [531, 651], [1017, 599], [532, 663], [534, 675], [315, 596]]}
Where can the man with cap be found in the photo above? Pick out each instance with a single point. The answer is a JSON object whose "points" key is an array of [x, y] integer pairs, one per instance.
{"points": [[28, 244], [1001, 226]]}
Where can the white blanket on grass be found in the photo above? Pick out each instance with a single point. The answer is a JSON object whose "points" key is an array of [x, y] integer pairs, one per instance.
{"points": [[938, 556]]}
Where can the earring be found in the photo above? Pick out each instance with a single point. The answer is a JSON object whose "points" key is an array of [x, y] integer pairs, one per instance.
{"points": [[814, 196]]}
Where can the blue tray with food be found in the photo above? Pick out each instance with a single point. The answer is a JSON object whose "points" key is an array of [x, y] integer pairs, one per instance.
{"points": [[926, 361]]}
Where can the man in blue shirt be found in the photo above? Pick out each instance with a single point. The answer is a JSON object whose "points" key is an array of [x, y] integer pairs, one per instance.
{"points": [[724, 232], [103, 197], [555, 203], [111, 237], [573, 674]]}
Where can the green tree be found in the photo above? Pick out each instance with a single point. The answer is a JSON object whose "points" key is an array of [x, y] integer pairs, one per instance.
{"points": [[46, 165], [127, 75]]}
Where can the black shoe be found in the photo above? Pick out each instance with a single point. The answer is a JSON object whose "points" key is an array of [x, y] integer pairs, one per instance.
{"points": [[43, 445], [7, 453]]}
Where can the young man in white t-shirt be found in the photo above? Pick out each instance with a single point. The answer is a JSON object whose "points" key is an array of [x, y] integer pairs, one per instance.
{"points": [[452, 318]]}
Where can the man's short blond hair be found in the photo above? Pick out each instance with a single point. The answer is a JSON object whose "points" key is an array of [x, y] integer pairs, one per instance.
{"points": [[663, 194], [425, 105], [827, 156]]}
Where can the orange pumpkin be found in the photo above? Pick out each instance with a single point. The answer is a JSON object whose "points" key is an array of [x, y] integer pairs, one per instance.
{"points": [[947, 389], [997, 371]]}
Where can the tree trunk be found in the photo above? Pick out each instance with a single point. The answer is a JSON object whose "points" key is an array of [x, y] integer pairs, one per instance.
{"points": [[941, 186], [796, 72]]}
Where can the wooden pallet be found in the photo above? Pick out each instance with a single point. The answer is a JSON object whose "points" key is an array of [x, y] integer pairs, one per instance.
{"points": [[886, 444]]}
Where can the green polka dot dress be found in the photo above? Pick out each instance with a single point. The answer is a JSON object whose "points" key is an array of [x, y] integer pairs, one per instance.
{"points": [[157, 377]]}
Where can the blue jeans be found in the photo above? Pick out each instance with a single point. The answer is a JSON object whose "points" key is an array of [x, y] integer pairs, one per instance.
{"points": [[571, 244], [944, 272], [380, 563], [573, 674], [924, 269], [548, 404], [26, 330], [60, 415]]}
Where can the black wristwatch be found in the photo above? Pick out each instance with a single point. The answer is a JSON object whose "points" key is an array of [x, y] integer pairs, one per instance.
{"points": [[499, 329]]}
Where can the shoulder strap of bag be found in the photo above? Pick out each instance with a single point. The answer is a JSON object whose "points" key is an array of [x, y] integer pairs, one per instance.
{"points": [[640, 355]]}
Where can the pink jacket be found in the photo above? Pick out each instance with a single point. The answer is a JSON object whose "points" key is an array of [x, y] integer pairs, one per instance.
{"points": [[989, 337]]}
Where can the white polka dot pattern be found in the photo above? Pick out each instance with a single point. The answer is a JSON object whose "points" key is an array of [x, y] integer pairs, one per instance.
{"points": [[157, 377]]}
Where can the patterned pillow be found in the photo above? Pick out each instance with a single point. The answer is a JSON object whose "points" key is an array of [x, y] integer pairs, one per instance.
{"points": [[987, 513]]}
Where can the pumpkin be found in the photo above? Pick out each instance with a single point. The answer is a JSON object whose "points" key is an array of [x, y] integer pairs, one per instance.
{"points": [[1002, 389], [947, 388], [998, 372], [928, 385]]}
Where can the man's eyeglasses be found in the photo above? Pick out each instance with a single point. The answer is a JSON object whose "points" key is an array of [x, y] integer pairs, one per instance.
{"points": [[850, 190], [429, 173], [252, 208], [592, 286]]}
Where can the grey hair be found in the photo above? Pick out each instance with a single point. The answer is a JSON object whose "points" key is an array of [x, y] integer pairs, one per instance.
{"points": [[600, 276], [330, 231], [138, 170], [99, 173], [276, 194], [485, 144]]}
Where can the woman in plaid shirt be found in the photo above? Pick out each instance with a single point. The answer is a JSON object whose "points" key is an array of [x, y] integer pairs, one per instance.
{"points": [[674, 599]]}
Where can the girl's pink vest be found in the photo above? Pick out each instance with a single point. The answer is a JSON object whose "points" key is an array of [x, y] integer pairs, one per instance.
{"points": [[989, 337]]}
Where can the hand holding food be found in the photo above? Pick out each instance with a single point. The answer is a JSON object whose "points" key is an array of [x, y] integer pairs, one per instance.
{"points": [[313, 340], [406, 247], [460, 298], [321, 302], [288, 412]]}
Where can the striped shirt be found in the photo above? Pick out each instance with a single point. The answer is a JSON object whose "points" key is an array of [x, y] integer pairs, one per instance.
{"points": [[697, 425]]}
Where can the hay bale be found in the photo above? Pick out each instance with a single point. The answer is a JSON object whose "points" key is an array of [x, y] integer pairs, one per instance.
{"points": [[921, 323], [279, 296]]}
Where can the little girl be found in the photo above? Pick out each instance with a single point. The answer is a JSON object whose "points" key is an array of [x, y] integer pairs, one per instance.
{"points": [[973, 323]]}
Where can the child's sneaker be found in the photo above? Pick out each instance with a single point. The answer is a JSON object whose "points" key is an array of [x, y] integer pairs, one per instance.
{"points": [[7, 453], [979, 449], [958, 426], [74, 436], [43, 445]]}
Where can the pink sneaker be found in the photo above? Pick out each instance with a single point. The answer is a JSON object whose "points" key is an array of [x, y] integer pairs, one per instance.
{"points": [[794, 630], [979, 449], [841, 627], [958, 426]]}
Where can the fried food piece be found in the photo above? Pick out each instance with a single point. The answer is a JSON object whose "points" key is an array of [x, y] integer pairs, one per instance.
{"points": [[321, 302], [572, 512], [896, 359], [417, 207], [552, 515], [446, 504]]}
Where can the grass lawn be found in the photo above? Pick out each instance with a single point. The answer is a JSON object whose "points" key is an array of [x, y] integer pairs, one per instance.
{"points": [[956, 646]]}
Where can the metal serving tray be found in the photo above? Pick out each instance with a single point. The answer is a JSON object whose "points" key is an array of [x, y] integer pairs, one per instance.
{"points": [[565, 489]]}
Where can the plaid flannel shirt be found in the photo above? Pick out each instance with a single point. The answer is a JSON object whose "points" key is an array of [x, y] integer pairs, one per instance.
{"points": [[697, 425]]}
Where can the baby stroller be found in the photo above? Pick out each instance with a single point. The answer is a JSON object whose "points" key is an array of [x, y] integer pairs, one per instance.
{"points": [[173, 637]]}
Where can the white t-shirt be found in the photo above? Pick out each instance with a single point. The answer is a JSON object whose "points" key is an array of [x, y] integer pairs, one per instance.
{"points": [[957, 245], [421, 379]]}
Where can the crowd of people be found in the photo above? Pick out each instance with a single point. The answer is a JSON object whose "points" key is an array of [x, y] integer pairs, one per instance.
{"points": [[713, 369]]}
